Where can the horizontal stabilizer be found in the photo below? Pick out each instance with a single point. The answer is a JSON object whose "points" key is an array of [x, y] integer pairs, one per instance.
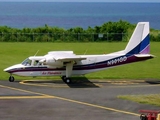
{"points": [[144, 56]]}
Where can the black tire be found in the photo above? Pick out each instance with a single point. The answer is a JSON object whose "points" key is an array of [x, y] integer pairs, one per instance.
{"points": [[143, 117], [68, 81], [11, 79]]}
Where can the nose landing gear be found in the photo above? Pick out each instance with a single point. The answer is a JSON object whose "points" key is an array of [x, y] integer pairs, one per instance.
{"points": [[11, 79]]}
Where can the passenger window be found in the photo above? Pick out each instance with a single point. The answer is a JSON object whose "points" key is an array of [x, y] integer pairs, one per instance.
{"points": [[36, 63]]}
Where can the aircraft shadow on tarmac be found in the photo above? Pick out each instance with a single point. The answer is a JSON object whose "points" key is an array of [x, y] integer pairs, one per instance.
{"points": [[153, 81], [82, 82], [77, 82]]}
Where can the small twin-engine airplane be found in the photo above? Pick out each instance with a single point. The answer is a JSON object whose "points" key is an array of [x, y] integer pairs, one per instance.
{"points": [[66, 63]]}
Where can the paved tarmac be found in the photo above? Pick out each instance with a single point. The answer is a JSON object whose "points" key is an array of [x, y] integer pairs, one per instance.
{"points": [[96, 100]]}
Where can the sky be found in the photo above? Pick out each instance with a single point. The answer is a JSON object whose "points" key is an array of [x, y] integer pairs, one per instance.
{"points": [[80, 0]]}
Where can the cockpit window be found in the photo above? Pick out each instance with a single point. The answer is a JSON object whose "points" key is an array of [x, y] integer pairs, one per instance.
{"points": [[27, 62]]}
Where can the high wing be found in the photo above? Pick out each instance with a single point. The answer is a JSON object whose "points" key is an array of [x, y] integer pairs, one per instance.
{"points": [[62, 56], [65, 56], [67, 59]]}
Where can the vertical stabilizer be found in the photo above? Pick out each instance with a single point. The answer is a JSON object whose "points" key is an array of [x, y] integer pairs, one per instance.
{"points": [[139, 41]]}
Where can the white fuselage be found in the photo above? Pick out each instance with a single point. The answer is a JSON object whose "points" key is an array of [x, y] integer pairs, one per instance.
{"points": [[93, 63]]}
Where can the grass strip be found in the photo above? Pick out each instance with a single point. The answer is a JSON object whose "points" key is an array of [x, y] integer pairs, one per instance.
{"points": [[151, 99]]}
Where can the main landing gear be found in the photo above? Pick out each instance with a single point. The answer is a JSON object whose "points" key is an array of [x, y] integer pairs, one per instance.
{"points": [[66, 80], [11, 79]]}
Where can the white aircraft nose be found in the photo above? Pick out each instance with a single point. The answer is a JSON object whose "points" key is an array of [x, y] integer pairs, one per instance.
{"points": [[7, 69], [12, 67]]}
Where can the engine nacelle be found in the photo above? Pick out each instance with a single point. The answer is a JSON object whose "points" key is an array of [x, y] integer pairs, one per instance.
{"points": [[52, 63]]}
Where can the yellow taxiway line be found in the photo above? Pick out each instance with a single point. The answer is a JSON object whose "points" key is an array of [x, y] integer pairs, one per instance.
{"points": [[26, 91], [24, 82], [24, 97], [97, 106], [64, 99]]}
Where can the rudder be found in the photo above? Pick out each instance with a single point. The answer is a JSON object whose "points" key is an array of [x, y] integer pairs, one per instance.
{"points": [[139, 41]]}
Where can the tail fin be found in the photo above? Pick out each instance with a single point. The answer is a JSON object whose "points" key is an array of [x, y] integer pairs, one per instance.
{"points": [[139, 41]]}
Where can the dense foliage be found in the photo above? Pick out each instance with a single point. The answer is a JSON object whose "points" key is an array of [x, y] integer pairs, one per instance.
{"points": [[110, 31]]}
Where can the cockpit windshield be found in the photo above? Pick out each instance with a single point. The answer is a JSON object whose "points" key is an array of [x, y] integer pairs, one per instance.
{"points": [[27, 62]]}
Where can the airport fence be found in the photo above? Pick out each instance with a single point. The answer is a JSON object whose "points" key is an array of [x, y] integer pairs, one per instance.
{"points": [[62, 37]]}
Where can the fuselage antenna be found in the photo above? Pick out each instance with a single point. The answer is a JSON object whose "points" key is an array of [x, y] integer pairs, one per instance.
{"points": [[36, 52], [85, 51]]}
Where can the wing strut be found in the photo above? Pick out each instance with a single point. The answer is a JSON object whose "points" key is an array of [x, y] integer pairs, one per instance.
{"points": [[69, 67]]}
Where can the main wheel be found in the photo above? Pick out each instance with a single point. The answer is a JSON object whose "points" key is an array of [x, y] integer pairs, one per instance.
{"points": [[11, 79], [68, 81]]}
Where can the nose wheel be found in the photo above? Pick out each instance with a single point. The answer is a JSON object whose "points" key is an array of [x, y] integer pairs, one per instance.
{"points": [[66, 80], [11, 79]]}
